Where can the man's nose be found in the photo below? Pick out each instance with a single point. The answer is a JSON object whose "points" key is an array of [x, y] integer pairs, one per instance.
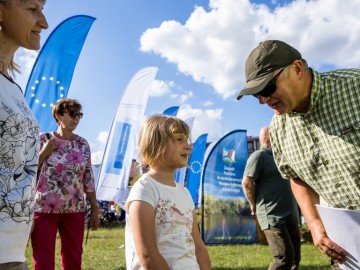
{"points": [[263, 100]]}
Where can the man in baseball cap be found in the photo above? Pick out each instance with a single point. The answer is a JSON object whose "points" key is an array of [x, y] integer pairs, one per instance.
{"points": [[314, 133], [263, 61]]}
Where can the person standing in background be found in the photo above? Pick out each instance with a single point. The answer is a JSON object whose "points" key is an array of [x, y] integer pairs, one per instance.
{"points": [[274, 205], [21, 22], [65, 175], [135, 172]]}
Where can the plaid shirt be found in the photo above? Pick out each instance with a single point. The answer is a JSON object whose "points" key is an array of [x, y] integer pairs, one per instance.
{"points": [[322, 146]]}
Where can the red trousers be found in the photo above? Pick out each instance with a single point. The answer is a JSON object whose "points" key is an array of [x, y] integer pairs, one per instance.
{"points": [[43, 239]]}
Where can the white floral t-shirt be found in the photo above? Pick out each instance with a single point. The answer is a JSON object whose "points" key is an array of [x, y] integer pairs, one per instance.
{"points": [[19, 153], [173, 208]]}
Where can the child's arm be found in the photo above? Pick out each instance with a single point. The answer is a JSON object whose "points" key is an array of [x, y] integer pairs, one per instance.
{"points": [[201, 252], [142, 219]]}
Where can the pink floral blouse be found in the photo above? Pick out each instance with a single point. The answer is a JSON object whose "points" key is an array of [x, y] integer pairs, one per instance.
{"points": [[64, 177]]}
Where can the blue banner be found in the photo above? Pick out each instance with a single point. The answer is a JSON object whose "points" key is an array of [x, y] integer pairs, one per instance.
{"points": [[193, 173], [52, 73], [172, 111], [118, 147], [226, 217]]}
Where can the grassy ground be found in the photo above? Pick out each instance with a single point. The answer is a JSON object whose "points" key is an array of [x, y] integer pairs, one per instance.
{"points": [[105, 251]]}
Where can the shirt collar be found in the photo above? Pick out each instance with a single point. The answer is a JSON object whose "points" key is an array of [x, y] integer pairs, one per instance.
{"points": [[265, 149], [315, 93]]}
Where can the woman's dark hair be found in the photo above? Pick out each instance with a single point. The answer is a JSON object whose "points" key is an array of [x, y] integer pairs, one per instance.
{"points": [[65, 105]]}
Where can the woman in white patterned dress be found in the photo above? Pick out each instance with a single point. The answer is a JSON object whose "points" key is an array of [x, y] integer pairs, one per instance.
{"points": [[21, 22]]}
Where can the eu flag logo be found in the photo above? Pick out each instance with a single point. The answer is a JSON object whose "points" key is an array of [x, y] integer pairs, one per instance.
{"points": [[52, 73], [44, 93]]}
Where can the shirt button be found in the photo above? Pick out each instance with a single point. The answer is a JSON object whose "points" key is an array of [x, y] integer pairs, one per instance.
{"points": [[326, 162], [316, 140], [337, 185]]}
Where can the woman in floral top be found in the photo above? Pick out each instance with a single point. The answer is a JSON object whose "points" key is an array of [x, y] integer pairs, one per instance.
{"points": [[65, 174]]}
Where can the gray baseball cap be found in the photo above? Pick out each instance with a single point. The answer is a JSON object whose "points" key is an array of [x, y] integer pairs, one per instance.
{"points": [[267, 57]]}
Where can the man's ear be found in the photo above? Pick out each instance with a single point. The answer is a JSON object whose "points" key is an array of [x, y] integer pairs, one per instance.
{"points": [[299, 68]]}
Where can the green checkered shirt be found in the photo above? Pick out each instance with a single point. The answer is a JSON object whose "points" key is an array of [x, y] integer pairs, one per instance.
{"points": [[322, 146]]}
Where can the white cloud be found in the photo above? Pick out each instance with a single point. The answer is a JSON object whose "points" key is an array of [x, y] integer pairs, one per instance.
{"points": [[97, 156], [25, 59], [208, 103], [202, 120], [212, 46], [161, 88], [175, 96], [102, 137], [184, 97]]}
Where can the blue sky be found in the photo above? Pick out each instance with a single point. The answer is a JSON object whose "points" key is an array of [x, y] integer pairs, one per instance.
{"points": [[200, 48]]}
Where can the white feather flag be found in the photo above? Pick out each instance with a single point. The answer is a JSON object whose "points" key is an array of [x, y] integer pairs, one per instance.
{"points": [[112, 184]]}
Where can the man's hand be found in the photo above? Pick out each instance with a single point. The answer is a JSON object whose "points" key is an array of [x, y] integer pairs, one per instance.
{"points": [[307, 198], [253, 209], [325, 245]]}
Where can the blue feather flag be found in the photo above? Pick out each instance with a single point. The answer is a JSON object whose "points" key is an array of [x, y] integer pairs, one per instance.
{"points": [[53, 70], [194, 170], [171, 111], [222, 196]]}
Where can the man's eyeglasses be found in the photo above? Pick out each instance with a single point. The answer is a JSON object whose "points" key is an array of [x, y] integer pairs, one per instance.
{"points": [[74, 114], [270, 88]]}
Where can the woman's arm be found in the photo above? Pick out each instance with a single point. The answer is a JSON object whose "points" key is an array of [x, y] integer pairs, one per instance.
{"points": [[94, 219], [47, 148], [201, 252], [142, 220]]}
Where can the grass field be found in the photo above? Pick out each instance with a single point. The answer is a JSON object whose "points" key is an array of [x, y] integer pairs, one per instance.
{"points": [[105, 251]]}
